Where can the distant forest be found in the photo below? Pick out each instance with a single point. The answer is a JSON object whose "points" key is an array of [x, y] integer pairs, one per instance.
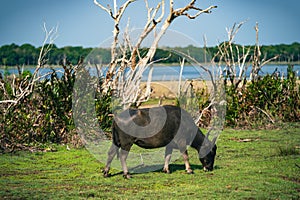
{"points": [[26, 54]]}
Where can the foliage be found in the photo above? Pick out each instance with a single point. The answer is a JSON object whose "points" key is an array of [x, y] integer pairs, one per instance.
{"points": [[55, 95], [203, 100], [103, 107], [45, 116], [267, 100], [243, 158], [26, 54]]}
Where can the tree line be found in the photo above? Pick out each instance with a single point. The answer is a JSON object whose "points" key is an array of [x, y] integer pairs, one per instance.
{"points": [[27, 54]]}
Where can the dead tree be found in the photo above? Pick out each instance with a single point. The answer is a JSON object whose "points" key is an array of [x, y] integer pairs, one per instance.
{"points": [[128, 85], [234, 60], [233, 57], [26, 86], [257, 61]]}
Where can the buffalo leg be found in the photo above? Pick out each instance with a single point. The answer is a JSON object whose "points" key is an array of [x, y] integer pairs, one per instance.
{"points": [[111, 154], [123, 157], [168, 154], [186, 162]]}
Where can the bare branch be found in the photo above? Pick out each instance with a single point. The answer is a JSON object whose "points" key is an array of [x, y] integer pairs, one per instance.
{"points": [[257, 62], [115, 6], [191, 59], [200, 11], [180, 76], [127, 84], [203, 111], [25, 88], [233, 57], [9, 101], [269, 116], [191, 6], [148, 28], [122, 9], [116, 17], [109, 11]]}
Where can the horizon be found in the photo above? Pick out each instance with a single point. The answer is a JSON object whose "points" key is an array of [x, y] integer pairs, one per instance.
{"points": [[146, 47], [81, 23]]}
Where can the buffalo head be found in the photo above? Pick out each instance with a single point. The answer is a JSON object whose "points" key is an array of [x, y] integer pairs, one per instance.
{"points": [[208, 160]]}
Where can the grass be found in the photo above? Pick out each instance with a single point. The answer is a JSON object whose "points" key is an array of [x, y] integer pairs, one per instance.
{"points": [[249, 165]]}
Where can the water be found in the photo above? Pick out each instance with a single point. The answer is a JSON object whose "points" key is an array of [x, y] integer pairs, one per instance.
{"points": [[167, 73]]}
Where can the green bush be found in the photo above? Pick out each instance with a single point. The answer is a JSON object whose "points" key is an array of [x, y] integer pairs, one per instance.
{"points": [[44, 116], [267, 100], [103, 108]]}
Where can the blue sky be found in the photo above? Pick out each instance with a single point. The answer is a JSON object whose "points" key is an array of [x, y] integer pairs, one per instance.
{"points": [[81, 23]]}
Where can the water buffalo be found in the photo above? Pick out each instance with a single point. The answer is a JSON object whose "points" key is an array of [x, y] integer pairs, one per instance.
{"points": [[165, 126]]}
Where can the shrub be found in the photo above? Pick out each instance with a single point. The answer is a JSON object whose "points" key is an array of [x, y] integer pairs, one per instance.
{"points": [[45, 116], [263, 101]]}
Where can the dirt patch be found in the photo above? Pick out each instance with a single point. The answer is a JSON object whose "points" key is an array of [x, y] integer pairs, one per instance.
{"points": [[169, 89]]}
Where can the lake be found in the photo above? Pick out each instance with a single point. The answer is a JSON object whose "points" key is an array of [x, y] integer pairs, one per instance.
{"points": [[168, 73]]}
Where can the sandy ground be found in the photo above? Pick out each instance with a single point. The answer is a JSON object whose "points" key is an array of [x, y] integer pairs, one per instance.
{"points": [[169, 89]]}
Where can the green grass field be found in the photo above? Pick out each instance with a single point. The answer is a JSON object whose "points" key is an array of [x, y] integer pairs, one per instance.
{"points": [[250, 164]]}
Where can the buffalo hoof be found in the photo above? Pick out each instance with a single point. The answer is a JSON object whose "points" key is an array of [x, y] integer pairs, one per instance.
{"points": [[167, 171], [127, 176], [106, 174], [206, 169], [189, 171]]}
